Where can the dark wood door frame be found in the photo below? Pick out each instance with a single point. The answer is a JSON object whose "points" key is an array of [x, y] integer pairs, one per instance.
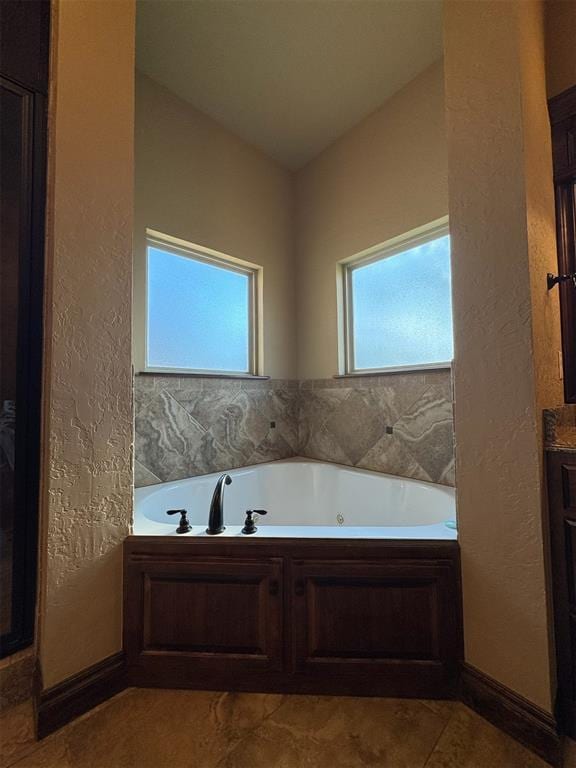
{"points": [[562, 111], [24, 48]]}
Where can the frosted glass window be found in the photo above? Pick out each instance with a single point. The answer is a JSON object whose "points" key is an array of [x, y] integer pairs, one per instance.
{"points": [[400, 309], [198, 314]]}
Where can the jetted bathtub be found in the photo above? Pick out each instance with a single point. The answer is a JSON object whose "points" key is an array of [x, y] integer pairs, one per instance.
{"points": [[304, 499], [350, 586]]}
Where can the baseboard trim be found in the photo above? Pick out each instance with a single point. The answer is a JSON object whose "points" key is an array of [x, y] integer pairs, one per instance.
{"points": [[531, 726], [508, 711], [78, 694]]}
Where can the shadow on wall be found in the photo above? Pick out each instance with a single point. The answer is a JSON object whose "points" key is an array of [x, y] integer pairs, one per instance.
{"points": [[400, 424]]}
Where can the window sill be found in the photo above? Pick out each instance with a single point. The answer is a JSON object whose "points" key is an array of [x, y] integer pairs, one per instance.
{"points": [[396, 369], [193, 375]]}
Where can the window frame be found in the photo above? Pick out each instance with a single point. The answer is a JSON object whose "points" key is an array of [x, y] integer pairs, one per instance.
{"points": [[346, 267], [254, 272]]}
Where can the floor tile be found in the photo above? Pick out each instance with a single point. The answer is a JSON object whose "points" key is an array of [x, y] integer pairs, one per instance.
{"points": [[155, 729], [308, 732], [16, 731], [186, 729], [469, 741]]}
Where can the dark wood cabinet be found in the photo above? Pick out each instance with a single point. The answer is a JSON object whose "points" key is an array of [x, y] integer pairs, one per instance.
{"points": [[372, 618], [561, 468], [309, 616], [215, 613]]}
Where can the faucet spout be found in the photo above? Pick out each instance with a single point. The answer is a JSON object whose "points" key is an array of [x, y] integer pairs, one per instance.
{"points": [[216, 517]]}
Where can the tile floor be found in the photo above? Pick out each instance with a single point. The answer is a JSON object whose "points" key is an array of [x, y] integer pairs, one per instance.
{"points": [[186, 729]]}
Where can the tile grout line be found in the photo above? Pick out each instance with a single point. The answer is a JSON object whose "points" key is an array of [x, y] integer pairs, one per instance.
{"points": [[442, 732], [250, 732], [186, 411]]}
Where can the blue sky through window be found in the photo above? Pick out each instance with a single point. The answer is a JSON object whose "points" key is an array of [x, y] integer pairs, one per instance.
{"points": [[198, 314], [402, 308]]}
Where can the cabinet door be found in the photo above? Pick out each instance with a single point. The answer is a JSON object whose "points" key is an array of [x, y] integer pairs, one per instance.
{"points": [[211, 615], [373, 618], [562, 505]]}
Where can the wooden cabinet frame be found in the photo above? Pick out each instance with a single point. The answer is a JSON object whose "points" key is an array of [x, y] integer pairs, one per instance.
{"points": [[561, 471], [251, 615]]}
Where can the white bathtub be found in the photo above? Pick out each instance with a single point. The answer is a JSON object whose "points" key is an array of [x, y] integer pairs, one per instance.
{"points": [[304, 499]]}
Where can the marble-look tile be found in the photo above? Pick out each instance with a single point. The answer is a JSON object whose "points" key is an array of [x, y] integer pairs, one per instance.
{"points": [[323, 446], [204, 405], [166, 436], [207, 456], [234, 417], [441, 707], [391, 456], [192, 426], [284, 410], [469, 741], [243, 424], [17, 677], [172, 382], [16, 731], [428, 431], [316, 407], [402, 391], [141, 397], [448, 477], [143, 476], [347, 424], [52, 754], [272, 448], [357, 424], [183, 729], [155, 729], [340, 732], [145, 383]]}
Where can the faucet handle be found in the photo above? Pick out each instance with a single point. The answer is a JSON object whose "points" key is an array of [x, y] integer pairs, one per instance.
{"points": [[184, 525], [249, 525]]}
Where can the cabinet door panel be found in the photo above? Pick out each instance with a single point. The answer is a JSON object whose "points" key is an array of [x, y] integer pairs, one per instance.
{"points": [[569, 487], [210, 611], [354, 614]]}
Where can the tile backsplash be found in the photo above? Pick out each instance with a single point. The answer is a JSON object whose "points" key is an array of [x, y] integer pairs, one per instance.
{"points": [[191, 426], [399, 423], [560, 426]]}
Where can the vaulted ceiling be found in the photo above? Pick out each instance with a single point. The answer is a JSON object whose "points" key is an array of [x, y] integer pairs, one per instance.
{"points": [[289, 76]]}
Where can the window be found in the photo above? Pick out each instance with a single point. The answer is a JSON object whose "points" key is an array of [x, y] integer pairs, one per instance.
{"points": [[200, 310], [398, 307]]}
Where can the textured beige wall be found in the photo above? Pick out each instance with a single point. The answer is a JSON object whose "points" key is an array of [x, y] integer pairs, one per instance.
{"points": [[197, 181], [560, 45], [501, 218], [88, 395], [385, 177], [540, 212]]}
